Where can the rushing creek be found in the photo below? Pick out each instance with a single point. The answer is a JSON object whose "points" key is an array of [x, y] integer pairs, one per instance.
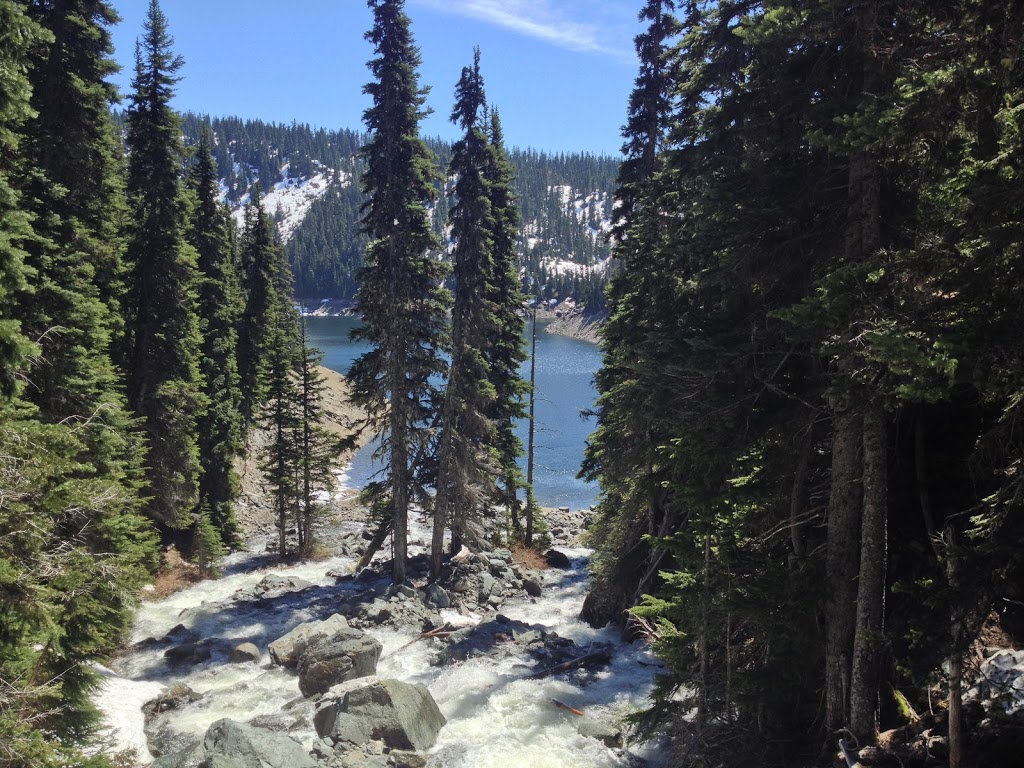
{"points": [[496, 716]]}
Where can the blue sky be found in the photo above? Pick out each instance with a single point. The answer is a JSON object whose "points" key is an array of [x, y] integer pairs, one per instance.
{"points": [[559, 71]]}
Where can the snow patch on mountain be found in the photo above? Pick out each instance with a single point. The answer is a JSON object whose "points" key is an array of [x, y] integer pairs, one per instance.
{"points": [[289, 200]]}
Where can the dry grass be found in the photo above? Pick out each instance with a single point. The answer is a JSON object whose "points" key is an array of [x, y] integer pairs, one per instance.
{"points": [[175, 574], [529, 558]]}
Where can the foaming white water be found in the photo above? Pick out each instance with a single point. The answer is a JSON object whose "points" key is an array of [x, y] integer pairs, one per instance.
{"points": [[496, 717]]}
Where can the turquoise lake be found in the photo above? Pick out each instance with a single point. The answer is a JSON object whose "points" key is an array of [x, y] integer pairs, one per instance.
{"points": [[565, 389]]}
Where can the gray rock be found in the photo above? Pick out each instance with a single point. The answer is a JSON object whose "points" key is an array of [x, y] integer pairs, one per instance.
{"points": [[175, 697], [229, 744], [345, 655], [286, 650], [462, 585], [402, 715], [487, 585], [437, 596], [402, 759], [281, 584], [188, 653], [557, 559], [531, 583], [244, 652]]}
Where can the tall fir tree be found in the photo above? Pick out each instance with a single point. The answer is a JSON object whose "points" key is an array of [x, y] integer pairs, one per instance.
{"points": [[318, 448], [505, 352], [261, 265], [280, 415], [219, 427], [633, 506], [68, 459], [76, 194], [466, 457], [401, 299], [161, 352]]}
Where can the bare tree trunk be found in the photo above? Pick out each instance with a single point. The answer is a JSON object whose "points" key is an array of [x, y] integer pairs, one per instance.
{"points": [[399, 476], [868, 644], [842, 559], [956, 662], [529, 451], [705, 650], [798, 495]]}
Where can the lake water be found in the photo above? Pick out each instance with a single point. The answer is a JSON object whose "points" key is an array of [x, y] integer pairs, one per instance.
{"points": [[565, 388]]}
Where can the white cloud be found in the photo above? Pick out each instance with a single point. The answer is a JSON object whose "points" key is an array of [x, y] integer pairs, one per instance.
{"points": [[554, 21]]}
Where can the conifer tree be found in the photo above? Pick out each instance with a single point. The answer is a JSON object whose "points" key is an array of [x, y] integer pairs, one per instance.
{"points": [[466, 460], [15, 222], [93, 544], [626, 437], [281, 416], [505, 351], [261, 263], [219, 428], [161, 356], [318, 448], [401, 299]]}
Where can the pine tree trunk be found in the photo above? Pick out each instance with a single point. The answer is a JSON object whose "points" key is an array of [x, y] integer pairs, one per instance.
{"points": [[399, 472], [956, 664], [868, 645], [842, 558], [798, 496]]}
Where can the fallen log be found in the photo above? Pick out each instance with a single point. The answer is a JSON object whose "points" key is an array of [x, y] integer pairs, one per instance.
{"points": [[590, 660], [566, 707], [383, 531], [439, 632]]}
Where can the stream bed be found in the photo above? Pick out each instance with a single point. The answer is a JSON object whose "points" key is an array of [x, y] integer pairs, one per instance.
{"points": [[495, 716]]}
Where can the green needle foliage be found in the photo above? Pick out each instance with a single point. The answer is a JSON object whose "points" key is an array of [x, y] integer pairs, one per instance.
{"points": [[401, 299], [219, 428], [162, 345]]}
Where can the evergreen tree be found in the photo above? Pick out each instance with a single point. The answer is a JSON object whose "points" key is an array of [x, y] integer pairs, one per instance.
{"points": [[466, 460], [15, 222], [505, 351], [93, 545], [261, 263], [219, 428], [318, 449], [281, 416], [401, 299], [633, 505], [161, 357]]}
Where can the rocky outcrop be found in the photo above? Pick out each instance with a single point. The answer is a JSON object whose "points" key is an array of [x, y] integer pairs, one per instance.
{"points": [[401, 715], [325, 661]]}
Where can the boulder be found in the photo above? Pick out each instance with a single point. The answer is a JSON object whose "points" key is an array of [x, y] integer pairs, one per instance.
{"points": [[557, 559], [244, 652], [281, 584], [437, 596], [402, 715], [286, 650], [176, 696], [229, 744], [345, 655], [188, 653]]}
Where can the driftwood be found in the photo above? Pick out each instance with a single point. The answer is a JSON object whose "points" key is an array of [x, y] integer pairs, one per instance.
{"points": [[383, 531], [439, 632], [590, 660], [566, 707]]}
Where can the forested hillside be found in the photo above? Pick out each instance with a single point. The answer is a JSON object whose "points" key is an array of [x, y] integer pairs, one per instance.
{"points": [[306, 176], [809, 438]]}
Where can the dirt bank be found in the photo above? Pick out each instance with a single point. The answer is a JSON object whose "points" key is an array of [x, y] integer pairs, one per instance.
{"points": [[254, 507]]}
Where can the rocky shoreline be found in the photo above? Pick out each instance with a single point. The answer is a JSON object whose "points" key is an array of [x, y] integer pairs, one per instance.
{"points": [[574, 323]]}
